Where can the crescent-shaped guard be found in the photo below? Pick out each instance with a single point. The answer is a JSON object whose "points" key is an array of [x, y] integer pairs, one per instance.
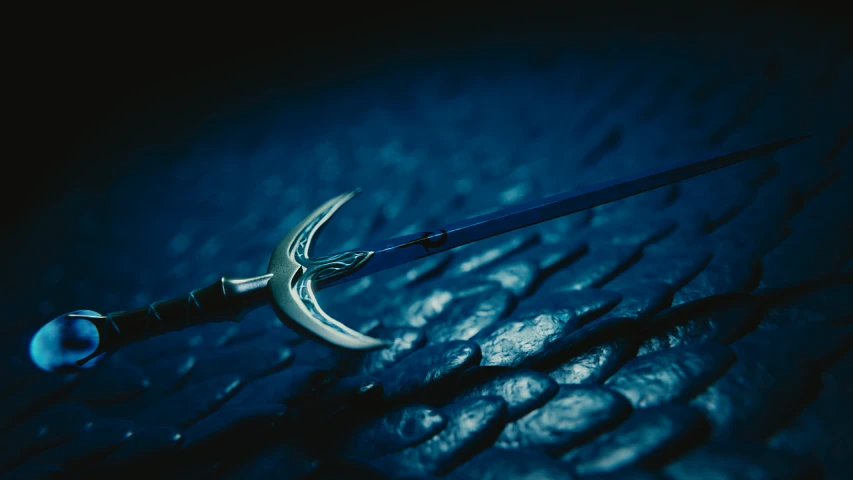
{"points": [[296, 275]]}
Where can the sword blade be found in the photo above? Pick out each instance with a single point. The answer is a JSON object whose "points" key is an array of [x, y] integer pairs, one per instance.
{"points": [[397, 251]]}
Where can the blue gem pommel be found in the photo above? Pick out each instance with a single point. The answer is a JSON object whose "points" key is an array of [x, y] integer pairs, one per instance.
{"points": [[65, 343]]}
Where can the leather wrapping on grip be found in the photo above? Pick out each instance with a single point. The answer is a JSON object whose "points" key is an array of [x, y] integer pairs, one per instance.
{"points": [[203, 305]]}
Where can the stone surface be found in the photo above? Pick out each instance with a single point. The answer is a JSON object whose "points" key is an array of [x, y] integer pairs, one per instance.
{"points": [[485, 254], [596, 364], [773, 377], [820, 432], [281, 387], [394, 431], [403, 342], [739, 460], [339, 395], [230, 423], [577, 414], [518, 277], [552, 257], [523, 465], [420, 306], [631, 233], [192, 340], [111, 384], [55, 425], [279, 461], [602, 263], [730, 271], [470, 316], [424, 270], [35, 395], [164, 377], [641, 301], [191, 404], [472, 425], [648, 438], [671, 375], [532, 334], [822, 303], [721, 322], [249, 359], [522, 390], [664, 264], [96, 442], [429, 366]]}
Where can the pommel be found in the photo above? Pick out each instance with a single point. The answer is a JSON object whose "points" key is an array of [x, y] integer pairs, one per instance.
{"points": [[66, 343]]}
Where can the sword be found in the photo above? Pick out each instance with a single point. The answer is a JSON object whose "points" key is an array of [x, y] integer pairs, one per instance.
{"points": [[81, 339]]}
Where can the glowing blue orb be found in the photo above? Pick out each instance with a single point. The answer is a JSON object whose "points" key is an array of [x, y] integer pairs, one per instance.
{"points": [[63, 342]]}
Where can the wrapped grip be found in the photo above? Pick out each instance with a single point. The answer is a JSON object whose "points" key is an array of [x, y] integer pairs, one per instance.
{"points": [[200, 306]]}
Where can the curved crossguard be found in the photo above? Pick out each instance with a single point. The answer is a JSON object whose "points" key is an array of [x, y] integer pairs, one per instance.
{"points": [[296, 275]]}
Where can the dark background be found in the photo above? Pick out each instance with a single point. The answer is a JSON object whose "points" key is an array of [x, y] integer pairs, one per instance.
{"points": [[88, 87]]}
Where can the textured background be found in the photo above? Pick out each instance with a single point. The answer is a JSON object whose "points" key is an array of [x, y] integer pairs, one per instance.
{"points": [[700, 330]]}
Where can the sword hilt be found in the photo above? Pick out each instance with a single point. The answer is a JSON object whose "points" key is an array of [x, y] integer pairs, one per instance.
{"points": [[81, 339]]}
